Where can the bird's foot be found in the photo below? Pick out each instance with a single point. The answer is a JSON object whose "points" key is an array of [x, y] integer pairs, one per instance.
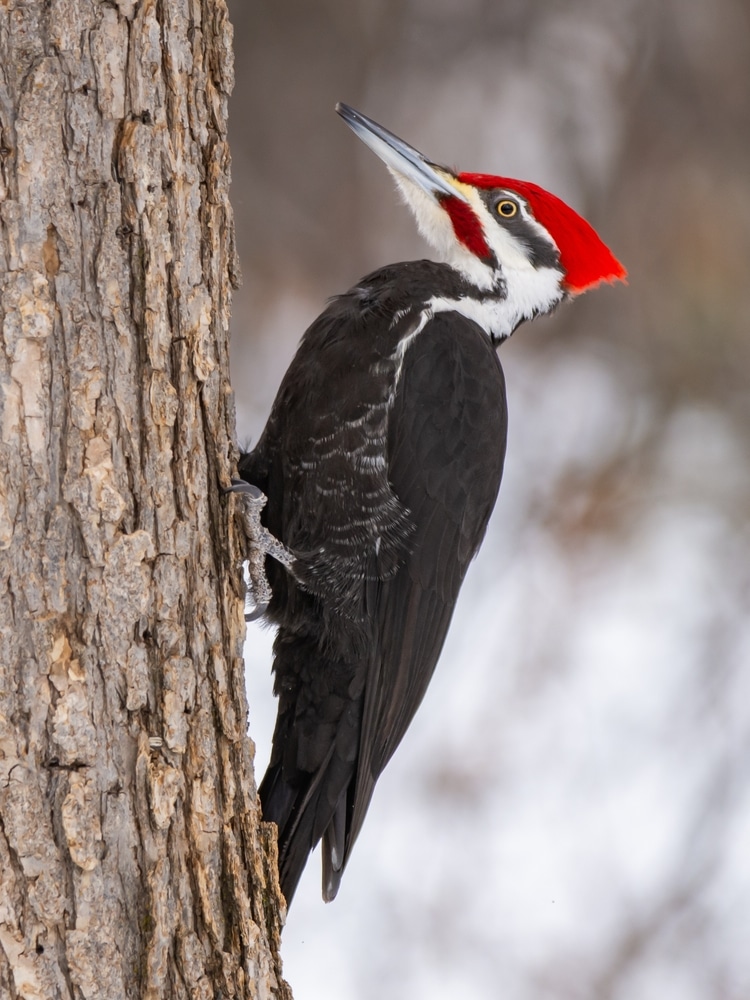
{"points": [[260, 544]]}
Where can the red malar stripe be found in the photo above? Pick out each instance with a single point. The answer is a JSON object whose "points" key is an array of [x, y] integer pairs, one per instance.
{"points": [[467, 227]]}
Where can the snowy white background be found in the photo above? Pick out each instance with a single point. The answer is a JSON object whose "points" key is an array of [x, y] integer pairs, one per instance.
{"points": [[569, 815]]}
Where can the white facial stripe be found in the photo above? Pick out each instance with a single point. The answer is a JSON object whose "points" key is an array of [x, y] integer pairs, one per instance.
{"points": [[529, 290], [531, 221], [510, 251]]}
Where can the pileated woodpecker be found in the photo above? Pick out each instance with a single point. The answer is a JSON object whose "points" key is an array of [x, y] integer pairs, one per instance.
{"points": [[381, 462]]}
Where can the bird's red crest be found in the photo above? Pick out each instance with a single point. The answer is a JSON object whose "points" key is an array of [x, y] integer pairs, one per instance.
{"points": [[586, 260]]}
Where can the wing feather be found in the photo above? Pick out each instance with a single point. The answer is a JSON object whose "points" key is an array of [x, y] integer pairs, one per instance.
{"points": [[385, 506], [445, 466]]}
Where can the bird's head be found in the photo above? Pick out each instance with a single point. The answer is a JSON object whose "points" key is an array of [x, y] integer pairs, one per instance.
{"points": [[505, 236]]}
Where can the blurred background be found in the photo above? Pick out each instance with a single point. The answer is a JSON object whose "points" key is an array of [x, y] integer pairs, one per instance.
{"points": [[569, 816]]}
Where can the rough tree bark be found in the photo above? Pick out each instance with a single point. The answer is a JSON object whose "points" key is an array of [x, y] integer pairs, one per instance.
{"points": [[132, 862]]}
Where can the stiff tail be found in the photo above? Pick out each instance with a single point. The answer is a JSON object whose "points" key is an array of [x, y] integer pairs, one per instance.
{"points": [[303, 817], [278, 803], [309, 788]]}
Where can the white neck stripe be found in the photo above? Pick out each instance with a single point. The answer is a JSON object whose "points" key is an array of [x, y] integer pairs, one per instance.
{"points": [[499, 317]]}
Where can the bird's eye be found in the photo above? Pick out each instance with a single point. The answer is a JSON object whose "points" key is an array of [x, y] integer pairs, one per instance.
{"points": [[507, 208]]}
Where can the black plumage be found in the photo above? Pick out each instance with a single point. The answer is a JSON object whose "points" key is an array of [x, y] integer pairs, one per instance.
{"points": [[381, 461]]}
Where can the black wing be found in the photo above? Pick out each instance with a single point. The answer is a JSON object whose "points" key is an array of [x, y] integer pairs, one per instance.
{"points": [[385, 499], [447, 436]]}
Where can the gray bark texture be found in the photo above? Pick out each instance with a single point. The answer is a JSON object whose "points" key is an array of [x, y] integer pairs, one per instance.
{"points": [[132, 859]]}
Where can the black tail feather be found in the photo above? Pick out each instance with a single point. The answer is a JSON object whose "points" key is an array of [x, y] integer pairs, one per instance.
{"points": [[297, 814], [278, 803]]}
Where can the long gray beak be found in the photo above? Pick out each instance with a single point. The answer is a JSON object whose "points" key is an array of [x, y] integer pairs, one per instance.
{"points": [[398, 155]]}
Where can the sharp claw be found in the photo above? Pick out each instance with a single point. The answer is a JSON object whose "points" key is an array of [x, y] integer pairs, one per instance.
{"points": [[258, 611], [252, 491], [260, 544]]}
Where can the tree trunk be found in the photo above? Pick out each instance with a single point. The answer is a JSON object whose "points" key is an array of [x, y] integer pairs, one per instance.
{"points": [[132, 860]]}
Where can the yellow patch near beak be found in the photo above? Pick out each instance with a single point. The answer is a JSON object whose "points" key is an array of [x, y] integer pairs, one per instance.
{"points": [[465, 191]]}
